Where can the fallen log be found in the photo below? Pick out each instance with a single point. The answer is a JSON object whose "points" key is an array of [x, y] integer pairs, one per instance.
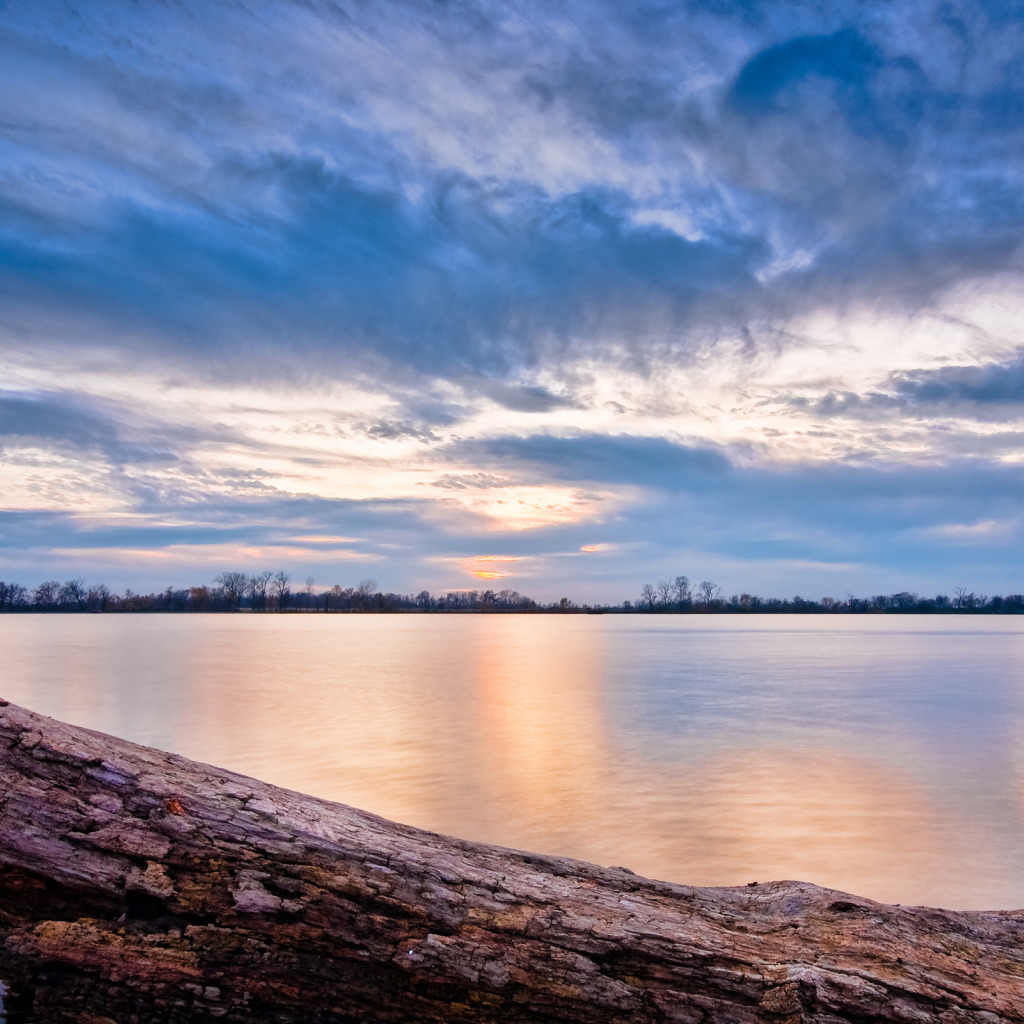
{"points": [[137, 885]]}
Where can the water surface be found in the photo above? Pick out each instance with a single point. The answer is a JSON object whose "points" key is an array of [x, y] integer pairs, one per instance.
{"points": [[879, 755]]}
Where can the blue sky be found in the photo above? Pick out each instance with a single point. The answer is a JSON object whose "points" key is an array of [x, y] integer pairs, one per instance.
{"points": [[571, 295]]}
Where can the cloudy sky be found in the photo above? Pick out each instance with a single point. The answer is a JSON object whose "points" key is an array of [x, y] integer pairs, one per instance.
{"points": [[564, 296]]}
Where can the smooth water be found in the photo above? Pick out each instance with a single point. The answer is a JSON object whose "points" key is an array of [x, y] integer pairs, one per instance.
{"points": [[879, 755]]}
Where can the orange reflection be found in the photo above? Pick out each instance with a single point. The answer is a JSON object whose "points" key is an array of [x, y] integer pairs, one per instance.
{"points": [[542, 727], [771, 813], [371, 733]]}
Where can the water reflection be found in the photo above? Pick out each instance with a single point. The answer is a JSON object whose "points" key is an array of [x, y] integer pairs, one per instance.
{"points": [[540, 721], [880, 756]]}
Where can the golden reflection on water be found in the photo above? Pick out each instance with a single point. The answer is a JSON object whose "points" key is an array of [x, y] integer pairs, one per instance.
{"points": [[716, 754], [542, 732]]}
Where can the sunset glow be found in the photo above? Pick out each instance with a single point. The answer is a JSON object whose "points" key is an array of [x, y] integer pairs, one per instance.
{"points": [[489, 567]]}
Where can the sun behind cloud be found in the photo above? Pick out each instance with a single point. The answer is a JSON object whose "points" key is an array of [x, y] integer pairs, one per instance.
{"points": [[485, 567]]}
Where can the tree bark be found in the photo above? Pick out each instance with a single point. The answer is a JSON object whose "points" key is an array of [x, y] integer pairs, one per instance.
{"points": [[137, 885]]}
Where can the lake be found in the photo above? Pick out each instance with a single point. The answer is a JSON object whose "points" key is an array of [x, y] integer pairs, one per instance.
{"points": [[879, 755]]}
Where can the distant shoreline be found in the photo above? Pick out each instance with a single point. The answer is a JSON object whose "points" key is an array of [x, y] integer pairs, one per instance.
{"points": [[581, 610], [266, 592]]}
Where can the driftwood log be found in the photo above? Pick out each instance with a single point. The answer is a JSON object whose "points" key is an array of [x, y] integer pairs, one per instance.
{"points": [[138, 886]]}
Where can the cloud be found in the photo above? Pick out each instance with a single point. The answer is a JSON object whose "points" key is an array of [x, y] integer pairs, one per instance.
{"points": [[523, 398], [953, 386], [596, 458], [991, 392], [393, 430], [72, 421], [478, 481], [868, 529], [266, 238], [985, 532], [469, 279]]}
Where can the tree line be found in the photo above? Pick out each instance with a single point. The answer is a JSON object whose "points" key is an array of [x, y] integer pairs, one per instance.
{"points": [[269, 591], [264, 591], [679, 596]]}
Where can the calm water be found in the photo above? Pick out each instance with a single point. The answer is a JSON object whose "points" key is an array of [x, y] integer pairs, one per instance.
{"points": [[882, 756]]}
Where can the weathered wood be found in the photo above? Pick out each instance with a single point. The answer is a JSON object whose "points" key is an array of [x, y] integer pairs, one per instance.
{"points": [[140, 886]]}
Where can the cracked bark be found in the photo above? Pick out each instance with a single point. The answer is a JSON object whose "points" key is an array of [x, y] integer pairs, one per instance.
{"points": [[136, 885]]}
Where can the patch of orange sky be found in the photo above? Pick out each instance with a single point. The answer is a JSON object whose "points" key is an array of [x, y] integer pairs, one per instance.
{"points": [[483, 567]]}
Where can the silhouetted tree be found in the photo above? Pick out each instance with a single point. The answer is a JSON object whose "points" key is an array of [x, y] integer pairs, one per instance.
{"points": [[258, 584], [45, 595], [708, 593], [12, 595], [280, 587], [72, 595], [234, 585]]}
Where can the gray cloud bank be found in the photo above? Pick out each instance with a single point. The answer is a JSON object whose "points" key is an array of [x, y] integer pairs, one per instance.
{"points": [[477, 189]]}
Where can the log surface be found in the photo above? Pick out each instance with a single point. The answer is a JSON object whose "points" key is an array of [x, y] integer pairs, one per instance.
{"points": [[137, 885]]}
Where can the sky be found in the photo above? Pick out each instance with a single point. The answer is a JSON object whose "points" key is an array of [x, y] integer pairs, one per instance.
{"points": [[560, 297]]}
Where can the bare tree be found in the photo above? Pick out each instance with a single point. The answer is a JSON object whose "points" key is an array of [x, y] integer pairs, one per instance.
{"points": [[365, 593], [72, 594], [708, 592], [665, 592], [98, 598], [648, 596], [681, 587], [258, 584], [235, 585], [959, 597], [309, 591], [45, 595], [280, 586], [12, 595]]}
